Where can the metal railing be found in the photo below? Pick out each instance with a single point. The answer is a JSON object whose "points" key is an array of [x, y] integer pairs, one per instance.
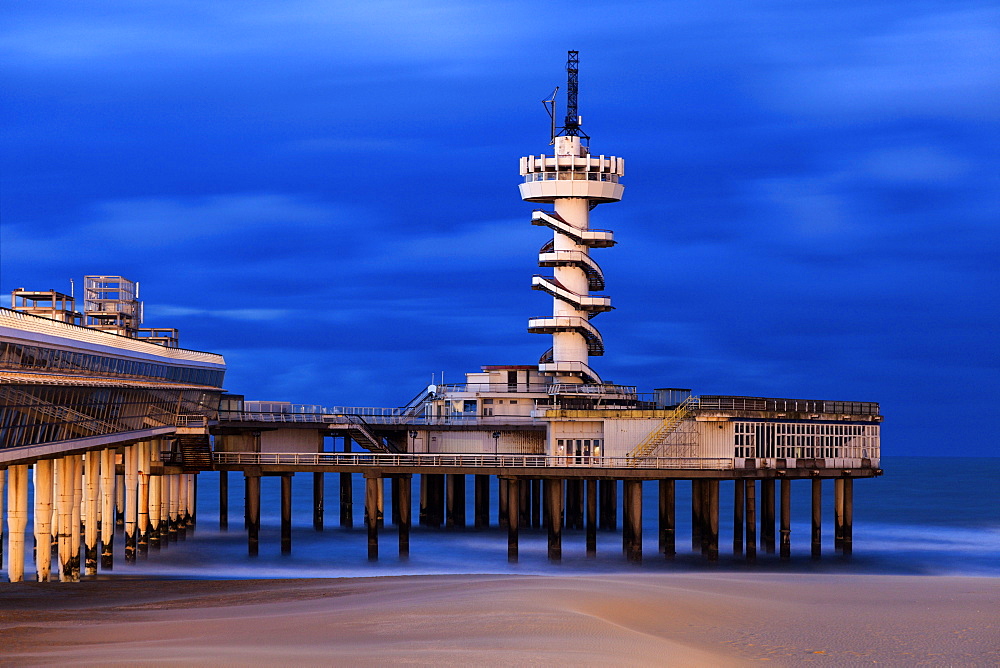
{"points": [[714, 402], [191, 421], [466, 461]]}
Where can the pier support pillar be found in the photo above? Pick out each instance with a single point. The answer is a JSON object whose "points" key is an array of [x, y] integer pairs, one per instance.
{"points": [[394, 491], [502, 498], [318, 499], [435, 499], [142, 507], [838, 513], [3, 493], [591, 497], [252, 511], [607, 490], [107, 509], [131, 501], [668, 518], [751, 513], [848, 545], [64, 515], [739, 497], [574, 506], [173, 485], [346, 500], [632, 519], [513, 515], [536, 502], [404, 506], [155, 506], [43, 519], [553, 490], [524, 503], [286, 513], [817, 518], [223, 500], [17, 520], [92, 472], [785, 547], [767, 515], [482, 501], [372, 482], [380, 503], [713, 519], [697, 515], [76, 518], [455, 501], [120, 487]]}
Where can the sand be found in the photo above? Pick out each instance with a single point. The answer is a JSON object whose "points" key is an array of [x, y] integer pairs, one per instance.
{"points": [[638, 619]]}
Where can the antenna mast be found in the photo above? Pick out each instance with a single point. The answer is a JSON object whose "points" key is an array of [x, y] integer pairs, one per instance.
{"points": [[572, 125]]}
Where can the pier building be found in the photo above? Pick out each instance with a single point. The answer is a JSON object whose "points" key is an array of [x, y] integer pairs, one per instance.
{"points": [[116, 421]]}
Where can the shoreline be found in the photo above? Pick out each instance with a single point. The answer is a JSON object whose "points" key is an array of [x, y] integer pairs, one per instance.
{"points": [[639, 619]]}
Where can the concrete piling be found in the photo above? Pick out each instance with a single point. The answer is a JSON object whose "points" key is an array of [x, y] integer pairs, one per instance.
{"points": [[155, 505], [223, 500], [92, 473], [713, 520], [455, 501], [108, 496], [608, 491], [482, 501], [767, 515], [64, 513], [318, 499], [632, 519], [848, 544], [142, 512], [346, 500], [404, 506], [372, 483], [697, 515], [536, 502], [785, 549], [524, 503], [502, 502], [668, 518], [513, 515], [131, 502], [739, 497], [3, 483], [380, 503], [838, 513], [553, 491], [252, 512], [43, 519], [591, 520], [286, 513], [750, 508], [17, 520], [817, 518], [76, 518]]}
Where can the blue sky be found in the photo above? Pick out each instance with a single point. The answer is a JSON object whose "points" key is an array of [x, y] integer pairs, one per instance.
{"points": [[326, 192]]}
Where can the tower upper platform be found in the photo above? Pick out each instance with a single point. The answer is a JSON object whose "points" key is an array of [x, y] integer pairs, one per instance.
{"points": [[572, 172]]}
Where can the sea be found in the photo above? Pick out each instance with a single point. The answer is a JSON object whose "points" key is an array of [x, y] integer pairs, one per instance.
{"points": [[924, 516]]}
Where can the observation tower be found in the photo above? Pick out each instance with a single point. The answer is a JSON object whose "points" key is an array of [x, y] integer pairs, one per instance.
{"points": [[573, 182]]}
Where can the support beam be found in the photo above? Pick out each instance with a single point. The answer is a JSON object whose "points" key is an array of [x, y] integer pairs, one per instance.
{"points": [[632, 519], [591, 494], [404, 486], [553, 490], [252, 512], [785, 548], [739, 497], [668, 518], [286, 513], [751, 512], [513, 515], [108, 496], [17, 520], [817, 518], [43, 519]]}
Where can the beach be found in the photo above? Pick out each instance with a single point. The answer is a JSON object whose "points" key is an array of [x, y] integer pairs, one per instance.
{"points": [[626, 619]]}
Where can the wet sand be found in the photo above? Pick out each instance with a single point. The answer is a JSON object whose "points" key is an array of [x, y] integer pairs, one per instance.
{"points": [[639, 619]]}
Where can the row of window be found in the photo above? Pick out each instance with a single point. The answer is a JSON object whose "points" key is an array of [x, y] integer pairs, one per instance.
{"points": [[791, 440], [38, 358], [35, 414], [571, 176]]}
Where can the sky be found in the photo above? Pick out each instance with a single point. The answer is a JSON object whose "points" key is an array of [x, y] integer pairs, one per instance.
{"points": [[326, 192]]}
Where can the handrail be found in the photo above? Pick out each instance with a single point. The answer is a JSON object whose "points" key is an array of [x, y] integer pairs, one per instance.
{"points": [[466, 460]]}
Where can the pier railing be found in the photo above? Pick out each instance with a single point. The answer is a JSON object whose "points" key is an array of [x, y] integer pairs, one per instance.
{"points": [[334, 459]]}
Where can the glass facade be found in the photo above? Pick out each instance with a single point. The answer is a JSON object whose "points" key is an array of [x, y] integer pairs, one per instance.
{"points": [[37, 358], [34, 414], [806, 440]]}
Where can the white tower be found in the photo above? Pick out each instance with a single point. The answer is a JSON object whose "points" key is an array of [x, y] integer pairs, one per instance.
{"points": [[574, 182]]}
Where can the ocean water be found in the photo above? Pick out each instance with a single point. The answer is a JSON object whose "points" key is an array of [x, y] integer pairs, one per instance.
{"points": [[925, 516]]}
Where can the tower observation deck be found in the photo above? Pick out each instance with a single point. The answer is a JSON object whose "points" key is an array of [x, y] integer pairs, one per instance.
{"points": [[573, 182]]}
